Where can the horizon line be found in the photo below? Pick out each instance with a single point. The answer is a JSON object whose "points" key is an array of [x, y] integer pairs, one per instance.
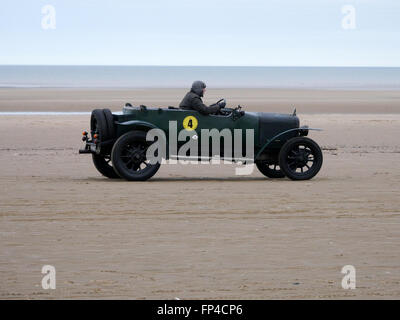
{"points": [[191, 66]]}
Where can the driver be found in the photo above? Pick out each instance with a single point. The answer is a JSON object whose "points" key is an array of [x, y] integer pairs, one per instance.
{"points": [[192, 100]]}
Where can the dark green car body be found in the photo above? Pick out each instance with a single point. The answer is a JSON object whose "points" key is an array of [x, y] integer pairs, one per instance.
{"points": [[270, 129], [277, 145]]}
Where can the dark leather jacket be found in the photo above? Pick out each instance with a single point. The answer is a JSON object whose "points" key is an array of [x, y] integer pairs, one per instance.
{"points": [[192, 101]]}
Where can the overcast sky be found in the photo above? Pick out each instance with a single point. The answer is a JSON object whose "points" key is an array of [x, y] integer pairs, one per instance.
{"points": [[201, 32]]}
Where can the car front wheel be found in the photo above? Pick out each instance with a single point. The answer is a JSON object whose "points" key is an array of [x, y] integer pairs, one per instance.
{"points": [[300, 158]]}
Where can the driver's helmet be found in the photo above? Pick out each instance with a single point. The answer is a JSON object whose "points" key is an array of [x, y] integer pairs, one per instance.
{"points": [[197, 87]]}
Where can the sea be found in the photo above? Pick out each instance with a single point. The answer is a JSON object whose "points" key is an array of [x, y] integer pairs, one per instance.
{"points": [[345, 78]]}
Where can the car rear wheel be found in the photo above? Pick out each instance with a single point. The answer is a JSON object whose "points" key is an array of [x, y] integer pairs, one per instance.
{"points": [[129, 157], [103, 165], [300, 158], [270, 170]]}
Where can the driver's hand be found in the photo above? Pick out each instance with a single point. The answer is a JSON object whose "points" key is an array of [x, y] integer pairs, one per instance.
{"points": [[218, 110], [222, 103]]}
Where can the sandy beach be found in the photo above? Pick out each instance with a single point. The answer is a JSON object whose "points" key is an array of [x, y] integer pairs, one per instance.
{"points": [[200, 232], [266, 100]]}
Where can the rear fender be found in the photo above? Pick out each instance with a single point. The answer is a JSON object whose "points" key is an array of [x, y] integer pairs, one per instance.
{"points": [[126, 126]]}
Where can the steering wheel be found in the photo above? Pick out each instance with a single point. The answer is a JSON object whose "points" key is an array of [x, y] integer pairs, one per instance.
{"points": [[227, 111], [221, 103]]}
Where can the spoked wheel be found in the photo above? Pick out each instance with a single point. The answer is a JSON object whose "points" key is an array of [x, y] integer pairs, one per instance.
{"points": [[271, 170], [300, 158], [104, 166], [129, 157]]}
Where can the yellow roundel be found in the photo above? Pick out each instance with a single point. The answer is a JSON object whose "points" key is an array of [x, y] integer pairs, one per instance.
{"points": [[190, 123]]}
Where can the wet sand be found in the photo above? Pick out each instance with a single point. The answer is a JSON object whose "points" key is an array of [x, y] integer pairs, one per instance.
{"points": [[197, 232]]}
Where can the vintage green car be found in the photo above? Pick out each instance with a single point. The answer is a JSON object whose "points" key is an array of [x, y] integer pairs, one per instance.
{"points": [[118, 142]]}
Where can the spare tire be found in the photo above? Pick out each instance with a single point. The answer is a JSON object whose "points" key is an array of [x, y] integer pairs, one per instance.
{"points": [[98, 124], [110, 123]]}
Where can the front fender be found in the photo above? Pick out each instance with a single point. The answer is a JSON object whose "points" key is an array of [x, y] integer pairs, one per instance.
{"points": [[265, 146]]}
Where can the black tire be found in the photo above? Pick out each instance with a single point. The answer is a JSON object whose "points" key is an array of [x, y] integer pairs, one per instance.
{"points": [[109, 122], [300, 158], [270, 170], [103, 165], [129, 157], [98, 124]]}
